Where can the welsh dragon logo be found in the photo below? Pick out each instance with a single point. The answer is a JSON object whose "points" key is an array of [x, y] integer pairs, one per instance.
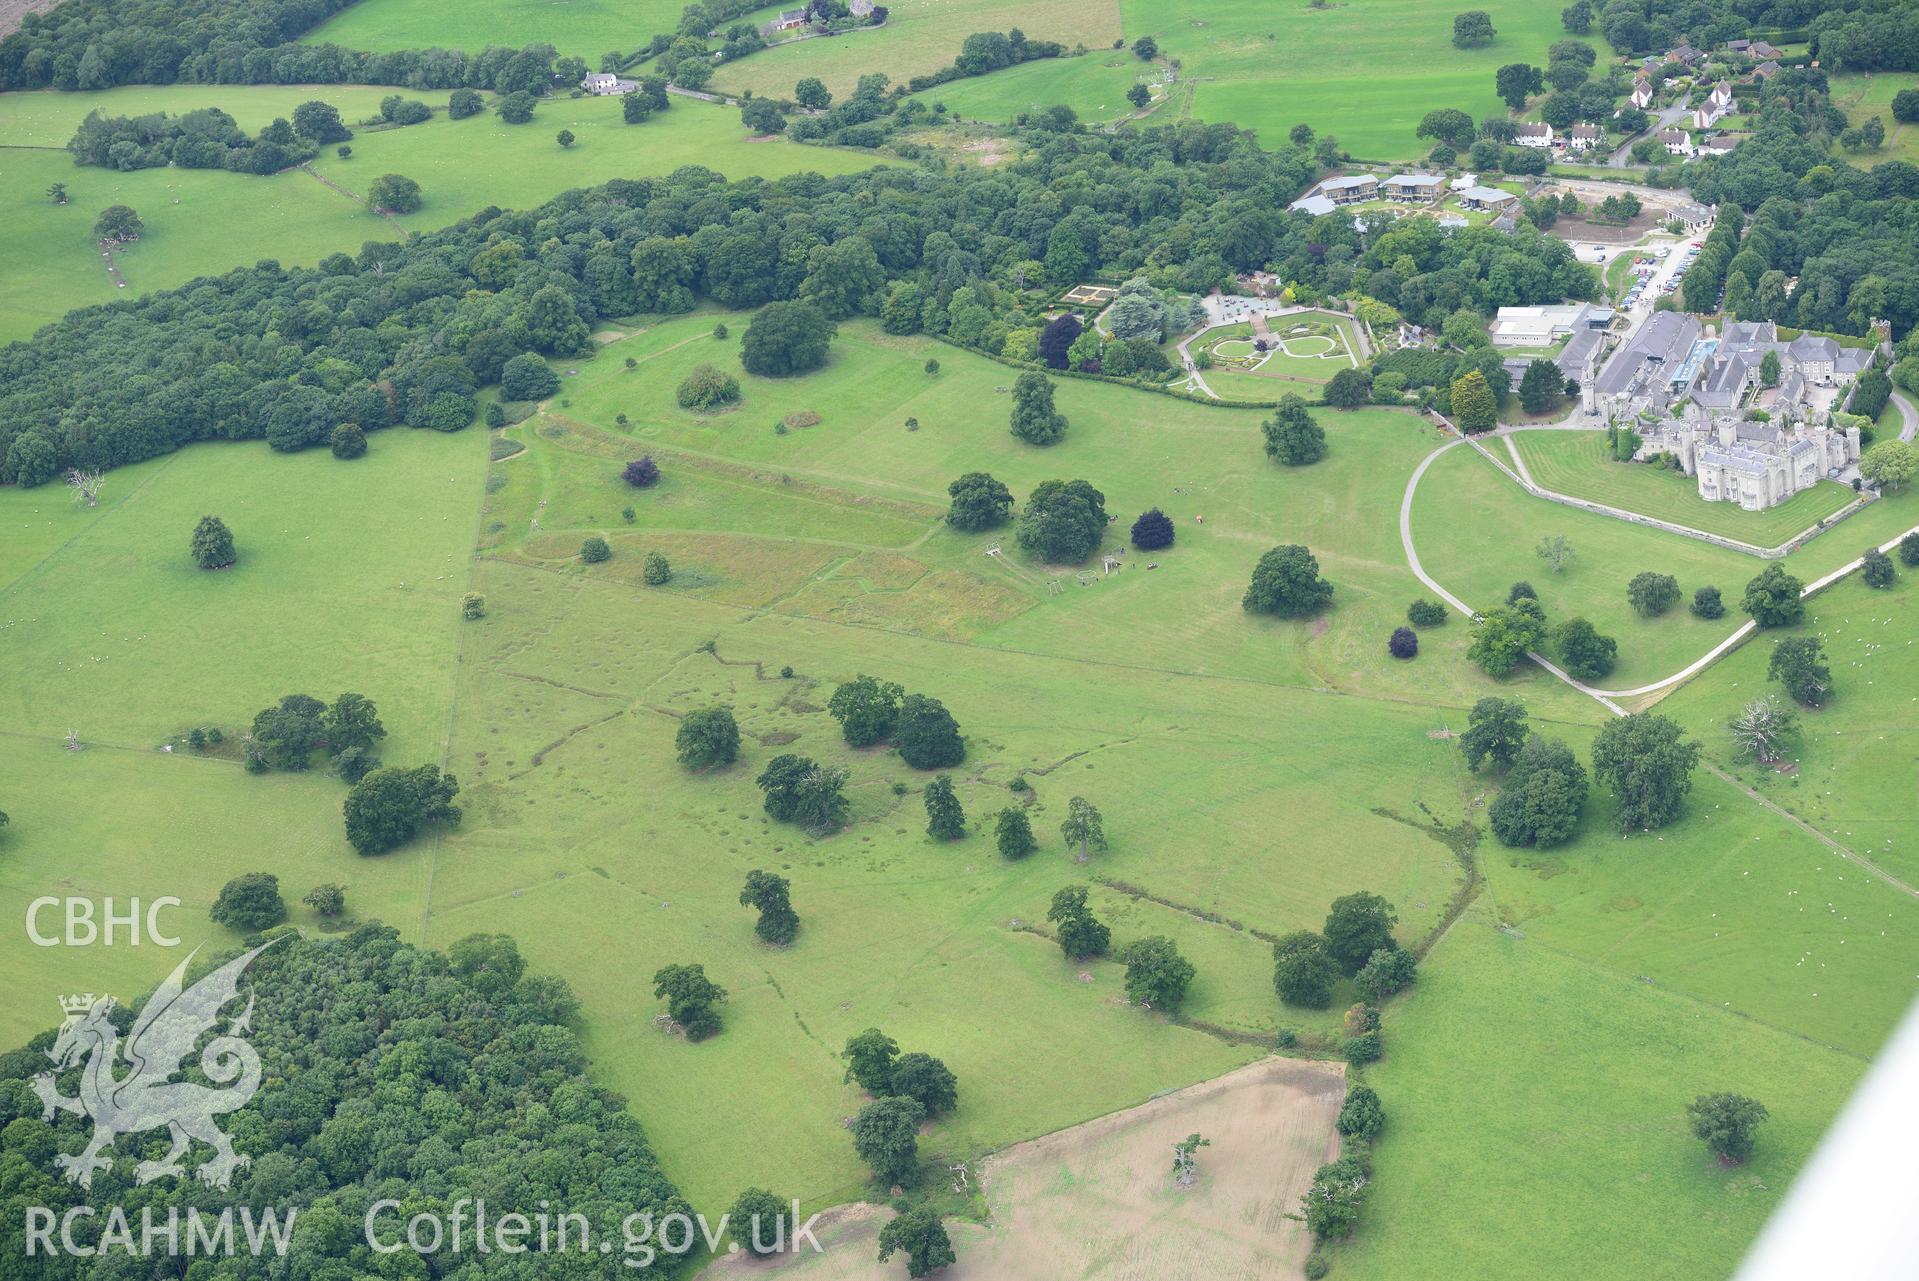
{"points": [[147, 1097]]}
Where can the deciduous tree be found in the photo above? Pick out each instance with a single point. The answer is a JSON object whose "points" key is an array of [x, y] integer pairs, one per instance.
{"points": [[1495, 731], [1083, 827], [1156, 974], [979, 502], [213, 544], [1304, 971], [926, 734], [945, 821], [919, 1234], [1356, 926], [1646, 761], [690, 997], [1773, 598], [1799, 663], [1034, 420], [1063, 521], [388, 807], [1014, 833], [250, 903], [770, 894], [708, 737], [1080, 933], [1726, 1123], [1286, 582], [1292, 435], [886, 1136]]}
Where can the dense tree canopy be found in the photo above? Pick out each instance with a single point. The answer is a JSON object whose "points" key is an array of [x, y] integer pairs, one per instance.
{"points": [[1647, 762], [436, 317], [387, 1070], [1286, 582]]}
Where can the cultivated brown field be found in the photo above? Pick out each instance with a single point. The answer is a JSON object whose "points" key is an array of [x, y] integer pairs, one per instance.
{"points": [[1098, 1201]]}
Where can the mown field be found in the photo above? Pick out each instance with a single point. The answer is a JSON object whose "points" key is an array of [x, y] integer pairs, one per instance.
{"points": [[1580, 464], [1249, 771], [201, 222], [1852, 772], [920, 36], [1365, 72], [117, 637], [1861, 96], [583, 28], [1477, 533]]}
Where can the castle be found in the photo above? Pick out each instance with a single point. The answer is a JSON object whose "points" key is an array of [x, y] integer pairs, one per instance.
{"points": [[1690, 396]]}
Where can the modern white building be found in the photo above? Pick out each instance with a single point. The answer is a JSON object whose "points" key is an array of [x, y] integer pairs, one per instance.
{"points": [[1544, 326]]}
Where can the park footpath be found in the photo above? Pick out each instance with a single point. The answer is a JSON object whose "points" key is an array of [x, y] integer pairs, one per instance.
{"points": [[1607, 698]]}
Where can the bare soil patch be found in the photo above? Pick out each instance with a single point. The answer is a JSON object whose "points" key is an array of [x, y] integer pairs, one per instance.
{"points": [[1097, 1202]]}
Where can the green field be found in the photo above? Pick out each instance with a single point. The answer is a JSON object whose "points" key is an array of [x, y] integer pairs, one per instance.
{"points": [[1861, 96], [1249, 771], [920, 37], [1554, 1089], [583, 28], [1580, 464], [202, 222], [1476, 531], [1365, 72], [1093, 84], [1853, 771]]}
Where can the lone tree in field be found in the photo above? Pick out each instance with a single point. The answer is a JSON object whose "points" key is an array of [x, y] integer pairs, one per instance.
{"points": [[1403, 643], [1652, 594], [762, 116], [926, 734], [1014, 833], [979, 502], [1726, 1123], [770, 894], [707, 389], [565, 138], [1763, 729], [1083, 827], [326, 900], [250, 903], [1303, 971], [642, 472], [594, 550], [1542, 798], [1286, 582], [1357, 926], [213, 544], [388, 807], [86, 485], [867, 709], [1647, 762], [1495, 731], [801, 791], [945, 820], [1080, 933], [886, 1136], [655, 571], [1799, 663], [1875, 567], [1707, 604], [786, 338], [1773, 598], [1557, 551], [1156, 974], [1185, 1158], [119, 224], [394, 193], [690, 997], [1293, 437], [1153, 530], [927, 1081], [1063, 521], [1473, 29], [1034, 420], [919, 1234], [708, 737]]}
